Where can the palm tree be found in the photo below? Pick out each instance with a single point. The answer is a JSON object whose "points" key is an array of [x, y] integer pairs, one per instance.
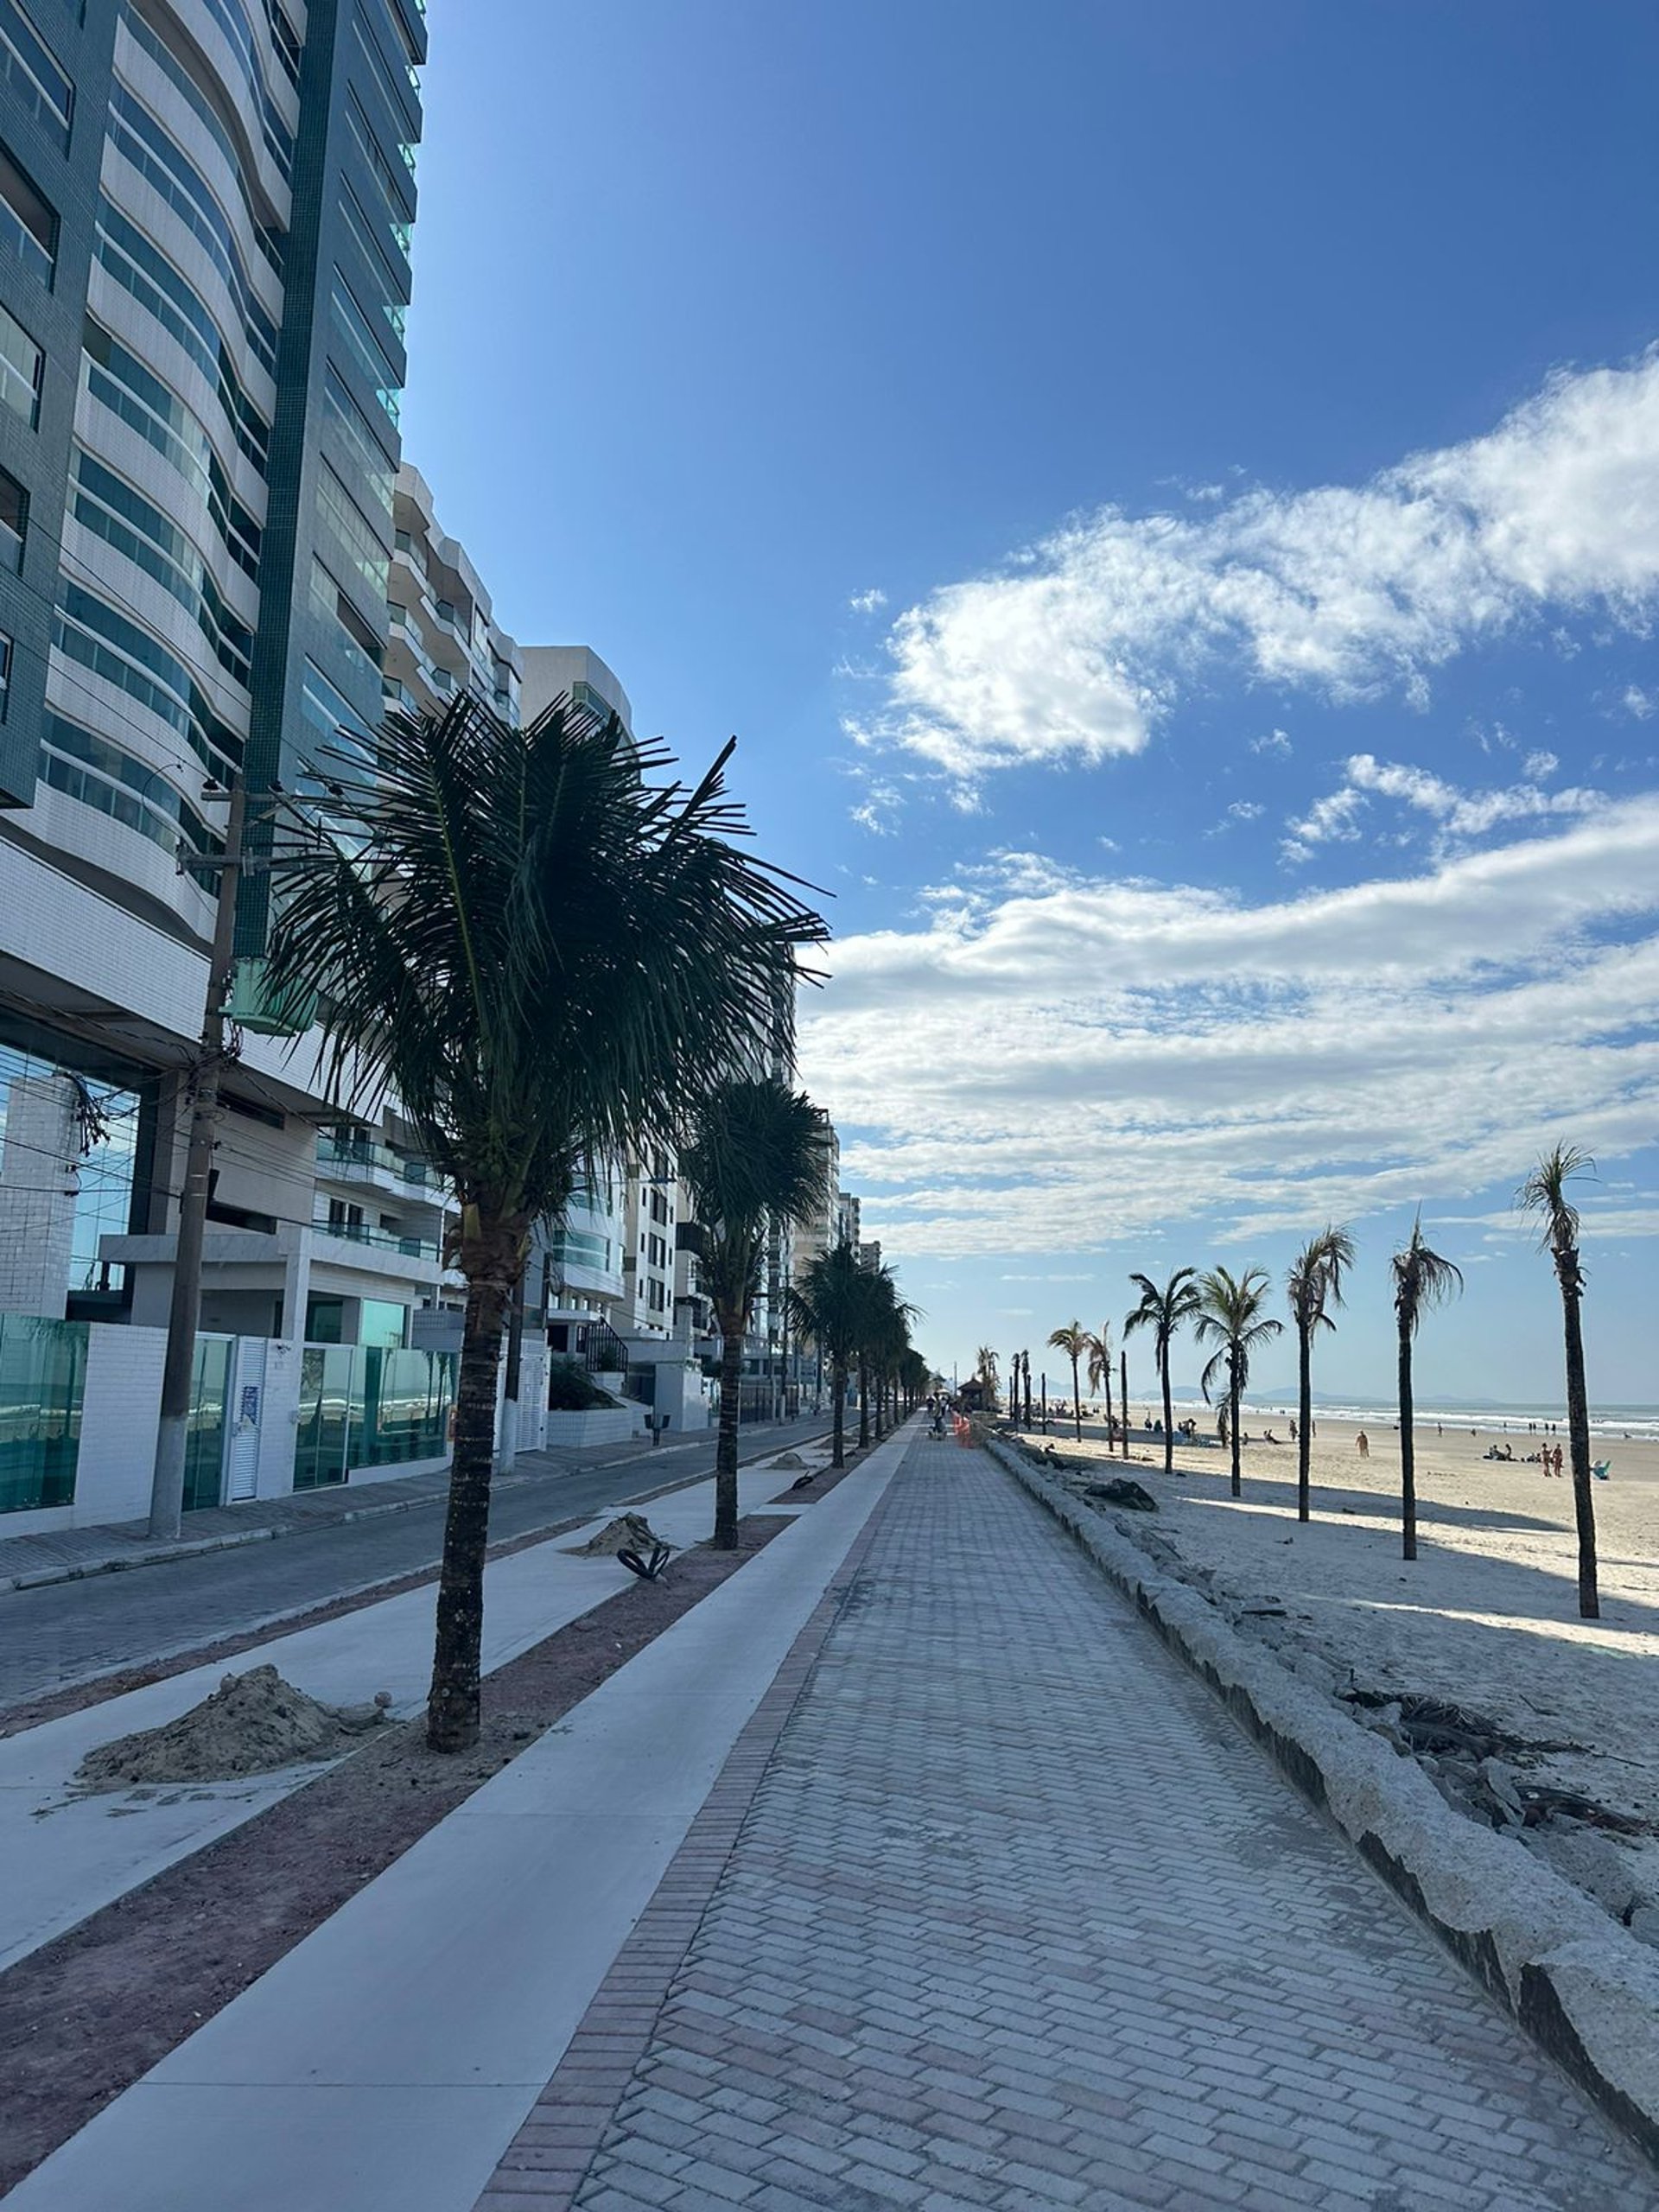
{"points": [[1421, 1280], [1314, 1285], [1100, 1370], [1073, 1340], [889, 1341], [1164, 1311], [830, 1304], [985, 1371], [755, 1155], [1230, 1314], [543, 954], [885, 1334], [1544, 1194]]}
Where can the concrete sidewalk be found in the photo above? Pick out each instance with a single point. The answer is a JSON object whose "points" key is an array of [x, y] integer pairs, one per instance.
{"points": [[1013, 1916], [67, 1854], [385, 2062], [907, 1870], [67, 1554]]}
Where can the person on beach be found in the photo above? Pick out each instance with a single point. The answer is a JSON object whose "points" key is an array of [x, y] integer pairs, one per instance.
{"points": [[1365, 1443]]}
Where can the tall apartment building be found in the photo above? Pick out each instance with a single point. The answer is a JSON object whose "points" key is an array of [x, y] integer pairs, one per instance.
{"points": [[821, 1230], [614, 1252], [848, 1223], [442, 636], [205, 220]]}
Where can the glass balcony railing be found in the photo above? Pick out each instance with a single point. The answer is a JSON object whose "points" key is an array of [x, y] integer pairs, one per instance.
{"points": [[364, 1152], [381, 1240]]}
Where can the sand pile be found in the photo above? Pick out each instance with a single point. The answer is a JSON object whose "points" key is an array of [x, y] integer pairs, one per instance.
{"points": [[787, 1459], [252, 1724], [629, 1532]]}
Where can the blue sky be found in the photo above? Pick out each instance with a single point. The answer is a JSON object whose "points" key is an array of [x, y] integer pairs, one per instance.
{"points": [[1168, 498]]}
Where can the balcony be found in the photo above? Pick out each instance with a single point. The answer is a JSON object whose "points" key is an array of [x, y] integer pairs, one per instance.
{"points": [[357, 1161], [379, 1240]]}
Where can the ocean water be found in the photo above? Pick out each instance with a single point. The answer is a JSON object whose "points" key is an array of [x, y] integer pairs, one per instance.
{"points": [[1612, 1424]]}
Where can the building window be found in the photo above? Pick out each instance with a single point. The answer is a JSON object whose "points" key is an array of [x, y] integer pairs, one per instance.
{"points": [[94, 636], [100, 775], [352, 325], [5, 675], [109, 508], [375, 471], [22, 363], [164, 166], [36, 1087], [30, 67], [336, 729], [355, 532], [27, 222], [135, 265], [14, 522]]}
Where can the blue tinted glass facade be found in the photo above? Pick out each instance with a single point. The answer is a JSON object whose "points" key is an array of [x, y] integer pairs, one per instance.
{"points": [[215, 211]]}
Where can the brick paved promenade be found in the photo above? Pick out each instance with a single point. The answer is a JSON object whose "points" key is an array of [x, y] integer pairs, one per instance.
{"points": [[1010, 1915]]}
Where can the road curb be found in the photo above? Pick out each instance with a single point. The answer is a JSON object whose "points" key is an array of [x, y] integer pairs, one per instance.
{"points": [[41, 1578], [1586, 1991]]}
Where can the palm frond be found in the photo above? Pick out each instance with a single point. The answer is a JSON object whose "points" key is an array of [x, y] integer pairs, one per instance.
{"points": [[541, 952], [1422, 1278], [1544, 1194], [1214, 1367], [1232, 1313]]}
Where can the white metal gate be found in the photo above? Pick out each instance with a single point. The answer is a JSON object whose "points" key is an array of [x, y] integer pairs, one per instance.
{"points": [[242, 1418]]}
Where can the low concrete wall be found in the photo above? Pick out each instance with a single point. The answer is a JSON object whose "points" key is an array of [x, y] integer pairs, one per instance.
{"points": [[1584, 1989], [602, 1424]]}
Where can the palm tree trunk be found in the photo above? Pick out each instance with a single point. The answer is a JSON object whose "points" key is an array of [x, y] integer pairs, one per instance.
{"points": [[731, 1406], [1123, 1396], [1578, 1434], [1107, 1378], [1407, 1454], [838, 1424], [1305, 1411], [1169, 1417], [452, 1704], [1077, 1400], [1234, 1439], [863, 1405]]}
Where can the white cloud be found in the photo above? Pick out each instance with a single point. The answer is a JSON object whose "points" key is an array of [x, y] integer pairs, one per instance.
{"points": [[1457, 814], [1538, 766], [1075, 649], [1638, 703], [1053, 1059], [1246, 810], [867, 602], [879, 809], [1088, 1277], [1276, 741], [1331, 820]]}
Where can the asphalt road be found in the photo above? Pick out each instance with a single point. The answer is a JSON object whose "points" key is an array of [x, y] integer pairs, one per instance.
{"points": [[69, 1631]]}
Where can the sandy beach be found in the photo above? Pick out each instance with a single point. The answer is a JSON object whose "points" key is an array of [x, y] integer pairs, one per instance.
{"points": [[1487, 1615]]}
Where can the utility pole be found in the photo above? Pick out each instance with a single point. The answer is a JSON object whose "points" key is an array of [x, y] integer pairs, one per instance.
{"points": [[167, 1483]]}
